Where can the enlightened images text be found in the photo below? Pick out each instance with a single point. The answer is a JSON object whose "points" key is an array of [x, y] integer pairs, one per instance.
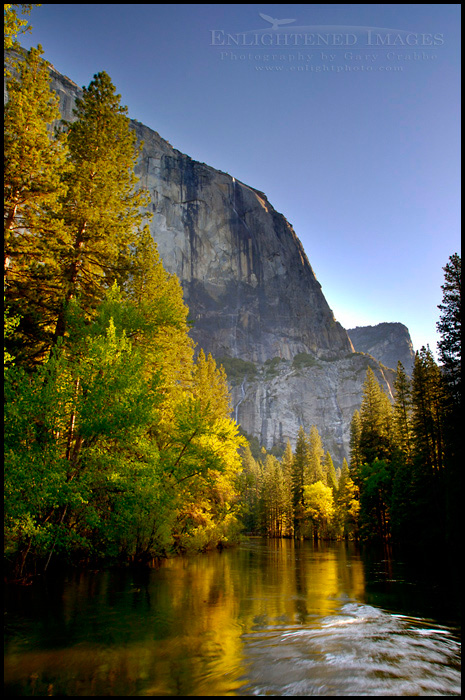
{"points": [[369, 38]]}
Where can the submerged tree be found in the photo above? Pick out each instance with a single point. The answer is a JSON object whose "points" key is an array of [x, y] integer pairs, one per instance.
{"points": [[299, 469]]}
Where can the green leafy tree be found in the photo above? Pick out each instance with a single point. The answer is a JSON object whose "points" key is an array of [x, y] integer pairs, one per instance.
{"points": [[201, 458], [106, 455], [319, 508], [72, 430], [10, 322]]}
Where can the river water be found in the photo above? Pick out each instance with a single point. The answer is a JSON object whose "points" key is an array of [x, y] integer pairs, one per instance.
{"points": [[266, 618]]}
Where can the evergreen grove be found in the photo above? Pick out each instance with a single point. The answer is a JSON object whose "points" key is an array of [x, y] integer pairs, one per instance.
{"points": [[119, 442]]}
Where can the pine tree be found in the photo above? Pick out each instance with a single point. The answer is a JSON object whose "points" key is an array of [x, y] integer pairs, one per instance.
{"points": [[273, 497], [402, 412], [450, 347], [347, 503], [34, 159], [314, 471], [376, 445], [330, 472], [355, 450], [449, 327], [211, 387], [35, 162], [102, 208], [250, 488], [299, 469], [427, 418], [375, 417], [286, 466], [163, 325]]}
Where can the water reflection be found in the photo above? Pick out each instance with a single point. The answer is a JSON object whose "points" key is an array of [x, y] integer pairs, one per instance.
{"points": [[276, 618]]}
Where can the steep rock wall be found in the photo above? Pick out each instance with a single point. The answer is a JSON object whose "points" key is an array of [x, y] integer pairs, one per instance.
{"points": [[386, 342], [252, 294], [273, 402], [246, 278]]}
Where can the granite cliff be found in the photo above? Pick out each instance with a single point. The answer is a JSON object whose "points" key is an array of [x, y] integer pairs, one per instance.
{"points": [[386, 342], [247, 281], [254, 299]]}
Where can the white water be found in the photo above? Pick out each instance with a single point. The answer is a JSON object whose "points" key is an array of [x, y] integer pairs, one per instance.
{"points": [[360, 651]]}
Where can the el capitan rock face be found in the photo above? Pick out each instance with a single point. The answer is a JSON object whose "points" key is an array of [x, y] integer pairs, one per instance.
{"points": [[246, 279], [254, 300]]}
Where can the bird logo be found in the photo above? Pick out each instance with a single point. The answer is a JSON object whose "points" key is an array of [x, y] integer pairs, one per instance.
{"points": [[275, 22]]}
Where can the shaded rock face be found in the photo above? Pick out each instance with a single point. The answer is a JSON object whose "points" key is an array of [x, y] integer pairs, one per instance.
{"points": [[386, 342], [254, 300], [273, 403], [246, 279]]}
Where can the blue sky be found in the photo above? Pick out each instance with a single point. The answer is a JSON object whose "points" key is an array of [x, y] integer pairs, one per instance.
{"points": [[353, 135]]}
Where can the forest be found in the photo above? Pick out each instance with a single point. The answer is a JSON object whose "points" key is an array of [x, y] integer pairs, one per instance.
{"points": [[118, 437]]}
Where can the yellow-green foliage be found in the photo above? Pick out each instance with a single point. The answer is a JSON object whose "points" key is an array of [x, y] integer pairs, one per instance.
{"points": [[118, 443]]}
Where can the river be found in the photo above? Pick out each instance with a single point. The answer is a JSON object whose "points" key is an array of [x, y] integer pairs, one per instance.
{"points": [[266, 618]]}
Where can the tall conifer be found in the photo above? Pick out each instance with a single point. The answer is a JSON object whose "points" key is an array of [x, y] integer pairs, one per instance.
{"points": [[450, 328], [299, 469], [102, 209], [330, 472], [402, 412], [314, 470], [34, 165], [375, 415], [427, 399]]}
